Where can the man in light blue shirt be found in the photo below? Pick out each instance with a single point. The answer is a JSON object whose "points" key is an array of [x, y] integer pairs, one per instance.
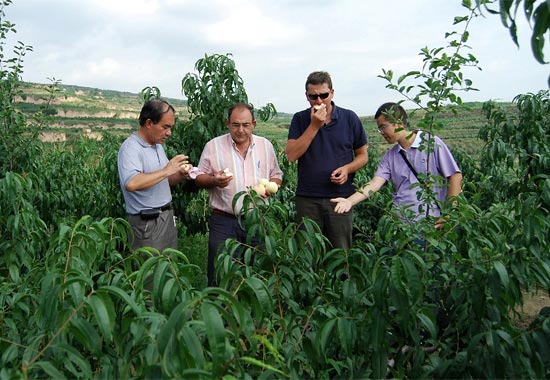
{"points": [[146, 176]]}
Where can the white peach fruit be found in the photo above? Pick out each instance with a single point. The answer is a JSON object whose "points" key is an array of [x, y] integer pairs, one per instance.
{"points": [[259, 189], [317, 107], [272, 187], [227, 172]]}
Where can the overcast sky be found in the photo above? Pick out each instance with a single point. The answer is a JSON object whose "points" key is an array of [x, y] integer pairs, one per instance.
{"points": [[126, 45]]}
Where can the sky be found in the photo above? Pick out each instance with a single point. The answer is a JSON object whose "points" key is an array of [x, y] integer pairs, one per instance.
{"points": [[126, 45]]}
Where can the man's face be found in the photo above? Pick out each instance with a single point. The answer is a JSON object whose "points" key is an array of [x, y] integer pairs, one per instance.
{"points": [[387, 129], [316, 92], [241, 125], [159, 132]]}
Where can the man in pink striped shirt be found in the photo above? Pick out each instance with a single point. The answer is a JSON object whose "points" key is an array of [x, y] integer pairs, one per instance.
{"points": [[247, 158]]}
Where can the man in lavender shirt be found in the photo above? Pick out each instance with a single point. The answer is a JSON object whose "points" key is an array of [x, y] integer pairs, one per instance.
{"points": [[392, 121]]}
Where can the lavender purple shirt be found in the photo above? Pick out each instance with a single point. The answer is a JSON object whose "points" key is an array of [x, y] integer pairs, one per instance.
{"points": [[220, 153], [393, 168]]}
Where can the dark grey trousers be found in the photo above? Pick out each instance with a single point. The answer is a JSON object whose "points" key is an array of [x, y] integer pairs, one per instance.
{"points": [[159, 233], [338, 228]]}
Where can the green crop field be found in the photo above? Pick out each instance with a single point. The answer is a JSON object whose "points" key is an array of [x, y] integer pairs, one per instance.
{"points": [[460, 130], [75, 109]]}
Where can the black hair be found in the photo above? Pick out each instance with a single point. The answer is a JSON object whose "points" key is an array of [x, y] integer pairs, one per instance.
{"points": [[394, 113], [154, 109], [240, 105]]}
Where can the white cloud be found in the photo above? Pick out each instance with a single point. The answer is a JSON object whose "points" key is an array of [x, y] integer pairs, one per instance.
{"points": [[246, 25], [105, 67], [129, 44], [130, 8]]}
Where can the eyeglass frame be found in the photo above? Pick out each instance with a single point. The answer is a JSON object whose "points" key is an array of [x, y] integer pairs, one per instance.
{"points": [[245, 125], [383, 127]]}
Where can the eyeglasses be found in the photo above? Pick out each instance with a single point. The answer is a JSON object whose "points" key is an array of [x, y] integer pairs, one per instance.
{"points": [[382, 127], [316, 96], [245, 125]]}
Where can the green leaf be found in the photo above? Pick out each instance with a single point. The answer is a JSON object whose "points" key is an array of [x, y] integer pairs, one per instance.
{"points": [[122, 295], [459, 19], [193, 346], [260, 364], [215, 332], [502, 274], [179, 315], [50, 369], [86, 334], [324, 336], [540, 29], [104, 313], [427, 323], [262, 294], [345, 333]]}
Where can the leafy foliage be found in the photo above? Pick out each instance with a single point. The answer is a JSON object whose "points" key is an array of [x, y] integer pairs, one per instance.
{"points": [[210, 93], [537, 14], [75, 302], [19, 141]]}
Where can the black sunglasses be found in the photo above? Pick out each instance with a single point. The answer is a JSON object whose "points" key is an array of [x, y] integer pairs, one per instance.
{"points": [[315, 96]]}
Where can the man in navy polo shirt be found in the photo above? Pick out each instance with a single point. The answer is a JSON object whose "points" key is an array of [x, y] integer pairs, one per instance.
{"points": [[330, 145]]}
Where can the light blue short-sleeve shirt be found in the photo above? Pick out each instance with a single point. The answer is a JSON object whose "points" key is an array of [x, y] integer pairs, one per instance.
{"points": [[137, 156]]}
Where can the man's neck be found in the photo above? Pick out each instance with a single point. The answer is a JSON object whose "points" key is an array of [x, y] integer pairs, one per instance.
{"points": [[141, 133], [407, 139], [243, 147]]}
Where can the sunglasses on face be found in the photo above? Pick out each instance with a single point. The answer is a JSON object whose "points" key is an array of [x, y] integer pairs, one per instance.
{"points": [[316, 96]]}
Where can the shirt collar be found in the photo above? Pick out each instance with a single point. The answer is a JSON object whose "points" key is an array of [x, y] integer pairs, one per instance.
{"points": [[252, 141], [416, 142], [142, 142]]}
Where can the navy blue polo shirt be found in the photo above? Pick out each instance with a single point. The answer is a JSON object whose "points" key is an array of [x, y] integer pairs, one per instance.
{"points": [[332, 147]]}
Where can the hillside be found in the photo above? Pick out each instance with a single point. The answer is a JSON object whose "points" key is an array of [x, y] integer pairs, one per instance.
{"points": [[82, 110], [90, 111]]}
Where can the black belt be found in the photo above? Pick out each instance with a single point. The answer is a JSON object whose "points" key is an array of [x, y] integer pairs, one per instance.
{"points": [[223, 213], [166, 207]]}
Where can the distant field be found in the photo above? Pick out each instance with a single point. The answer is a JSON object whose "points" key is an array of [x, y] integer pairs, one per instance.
{"points": [[89, 110], [459, 131]]}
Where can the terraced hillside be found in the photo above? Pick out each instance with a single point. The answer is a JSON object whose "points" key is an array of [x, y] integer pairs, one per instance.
{"points": [[90, 111], [83, 110]]}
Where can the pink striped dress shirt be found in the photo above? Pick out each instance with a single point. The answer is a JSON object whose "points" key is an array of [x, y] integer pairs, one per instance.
{"points": [[220, 153]]}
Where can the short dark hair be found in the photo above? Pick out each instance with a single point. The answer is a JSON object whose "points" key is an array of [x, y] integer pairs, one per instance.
{"points": [[394, 113], [240, 105], [319, 77], [154, 109]]}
